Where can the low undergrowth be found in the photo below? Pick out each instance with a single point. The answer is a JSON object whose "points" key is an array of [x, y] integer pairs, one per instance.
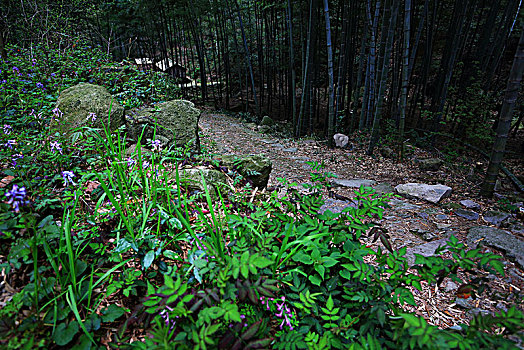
{"points": [[104, 250]]}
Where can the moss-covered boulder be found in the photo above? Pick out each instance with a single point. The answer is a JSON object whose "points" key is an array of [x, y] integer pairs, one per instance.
{"points": [[176, 122], [192, 178], [267, 121], [87, 105], [255, 168]]}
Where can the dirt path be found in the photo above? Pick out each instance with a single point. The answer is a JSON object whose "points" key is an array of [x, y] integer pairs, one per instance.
{"points": [[417, 225]]}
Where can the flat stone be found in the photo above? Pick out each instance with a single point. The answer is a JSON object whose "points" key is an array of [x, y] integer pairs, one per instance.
{"points": [[442, 226], [426, 249], [291, 150], [476, 311], [336, 206], [430, 164], [429, 236], [383, 188], [499, 239], [495, 217], [430, 193], [441, 217], [469, 204], [353, 183], [451, 286], [268, 142], [403, 205], [465, 303], [467, 214], [277, 145]]}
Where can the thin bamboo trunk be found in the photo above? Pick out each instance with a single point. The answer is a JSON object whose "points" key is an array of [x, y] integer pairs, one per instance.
{"points": [[405, 76], [331, 113], [506, 115], [375, 133]]}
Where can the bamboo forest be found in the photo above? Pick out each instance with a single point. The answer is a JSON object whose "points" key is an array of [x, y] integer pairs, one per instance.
{"points": [[255, 174]]}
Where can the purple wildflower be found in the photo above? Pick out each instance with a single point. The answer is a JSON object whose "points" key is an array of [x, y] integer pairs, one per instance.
{"points": [[16, 197], [56, 146], [131, 162], [165, 316], [7, 129], [92, 116], [15, 157], [16, 70], [57, 112], [34, 62], [156, 145], [68, 177], [283, 311], [39, 85], [10, 143], [146, 165]]}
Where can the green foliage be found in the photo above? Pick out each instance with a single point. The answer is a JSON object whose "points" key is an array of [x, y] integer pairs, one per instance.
{"points": [[125, 246]]}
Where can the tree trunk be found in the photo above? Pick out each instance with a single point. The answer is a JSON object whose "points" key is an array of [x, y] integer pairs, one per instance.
{"points": [[331, 114], [405, 76], [383, 81], [292, 63], [248, 59], [506, 114]]}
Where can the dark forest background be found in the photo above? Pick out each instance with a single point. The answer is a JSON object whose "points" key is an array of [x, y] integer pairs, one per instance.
{"points": [[407, 67]]}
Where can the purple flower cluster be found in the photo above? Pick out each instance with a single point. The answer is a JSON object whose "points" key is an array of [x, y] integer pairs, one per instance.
{"points": [[131, 162], [165, 316], [39, 85], [92, 116], [9, 144], [56, 146], [156, 145], [17, 71], [283, 311], [68, 177], [7, 129], [15, 157], [16, 197], [57, 112]]}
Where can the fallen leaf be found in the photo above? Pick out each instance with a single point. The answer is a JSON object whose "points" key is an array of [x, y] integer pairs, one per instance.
{"points": [[6, 181]]}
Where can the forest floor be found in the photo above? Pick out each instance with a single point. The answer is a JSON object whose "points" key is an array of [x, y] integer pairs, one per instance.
{"points": [[413, 224]]}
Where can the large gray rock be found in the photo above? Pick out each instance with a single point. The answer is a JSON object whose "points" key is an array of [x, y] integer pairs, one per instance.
{"points": [[78, 102], [499, 239], [176, 122], [353, 183], [215, 180], [430, 193], [255, 168], [341, 140]]}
